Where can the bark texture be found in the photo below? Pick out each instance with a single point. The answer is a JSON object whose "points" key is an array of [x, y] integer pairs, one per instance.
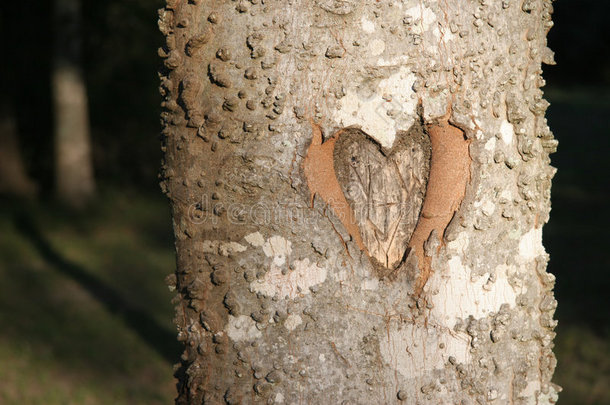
{"points": [[281, 121], [74, 181]]}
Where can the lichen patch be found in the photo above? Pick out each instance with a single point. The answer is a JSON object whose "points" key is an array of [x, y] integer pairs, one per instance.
{"points": [[422, 17], [278, 248], [242, 328], [530, 245], [292, 321], [367, 25], [460, 297], [490, 145], [506, 132], [255, 239], [222, 248], [292, 284], [405, 351], [376, 47], [393, 95]]}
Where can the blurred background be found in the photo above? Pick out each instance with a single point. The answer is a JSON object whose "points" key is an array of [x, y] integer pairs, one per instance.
{"points": [[85, 243]]}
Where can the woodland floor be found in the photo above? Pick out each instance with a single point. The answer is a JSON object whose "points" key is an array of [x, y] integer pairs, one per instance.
{"points": [[85, 317]]}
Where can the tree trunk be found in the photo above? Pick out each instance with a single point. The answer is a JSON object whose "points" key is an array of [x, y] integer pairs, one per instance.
{"points": [[358, 191], [75, 184], [13, 174]]}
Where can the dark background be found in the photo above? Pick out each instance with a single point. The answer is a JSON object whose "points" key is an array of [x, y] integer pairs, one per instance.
{"points": [[109, 261]]}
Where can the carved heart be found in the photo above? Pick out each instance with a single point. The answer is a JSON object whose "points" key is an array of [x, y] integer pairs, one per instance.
{"points": [[384, 188]]}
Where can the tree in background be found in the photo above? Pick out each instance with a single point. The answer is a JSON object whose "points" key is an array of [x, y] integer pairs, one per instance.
{"points": [[13, 174], [14, 177], [358, 193], [74, 180]]}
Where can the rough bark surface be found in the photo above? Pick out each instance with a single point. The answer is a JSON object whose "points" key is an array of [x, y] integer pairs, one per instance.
{"points": [[283, 301]]}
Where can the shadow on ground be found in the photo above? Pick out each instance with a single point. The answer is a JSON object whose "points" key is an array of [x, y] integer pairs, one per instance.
{"points": [[72, 330], [159, 338]]}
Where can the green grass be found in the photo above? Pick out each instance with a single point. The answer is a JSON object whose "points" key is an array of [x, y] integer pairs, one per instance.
{"points": [[84, 315], [584, 365]]}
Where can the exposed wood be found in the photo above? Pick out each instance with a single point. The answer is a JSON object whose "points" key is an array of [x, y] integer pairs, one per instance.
{"points": [[385, 189], [319, 169], [449, 175]]}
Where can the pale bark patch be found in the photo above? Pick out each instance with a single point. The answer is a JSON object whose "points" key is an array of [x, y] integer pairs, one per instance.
{"points": [[222, 248], [507, 132], [443, 34], [255, 239], [376, 47], [370, 284], [367, 25], [530, 245], [423, 17], [487, 207], [460, 243], [490, 145], [462, 294], [530, 391], [369, 110], [278, 248], [415, 350], [293, 283], [242, 328], [292, 321]]}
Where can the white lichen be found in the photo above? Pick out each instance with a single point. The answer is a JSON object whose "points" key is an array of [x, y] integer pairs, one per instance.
{"points": [[242, 328], [422, 18], [530, 245], [278, 248], [367, 25], [221, 247], [388, 108], [376, 47], [292, 321], [461, 294], [506, 132], [293, 283], [415, 350], [255, 239]]}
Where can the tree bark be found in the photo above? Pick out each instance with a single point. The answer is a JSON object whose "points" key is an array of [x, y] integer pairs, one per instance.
{"points": [[74, 180], [358, 191]]}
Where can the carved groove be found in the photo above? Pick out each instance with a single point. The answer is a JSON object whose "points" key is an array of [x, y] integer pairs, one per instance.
{"points": [[385, 189]]}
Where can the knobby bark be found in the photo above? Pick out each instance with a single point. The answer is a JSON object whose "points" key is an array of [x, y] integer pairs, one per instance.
{"points": [[358, 191], [74, 180]]}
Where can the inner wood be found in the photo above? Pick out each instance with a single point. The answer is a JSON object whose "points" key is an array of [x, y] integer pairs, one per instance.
{"points": [[384, 188]]}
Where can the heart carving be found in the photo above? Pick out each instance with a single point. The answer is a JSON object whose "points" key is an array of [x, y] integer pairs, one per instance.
{"points": [[385, 189]]}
